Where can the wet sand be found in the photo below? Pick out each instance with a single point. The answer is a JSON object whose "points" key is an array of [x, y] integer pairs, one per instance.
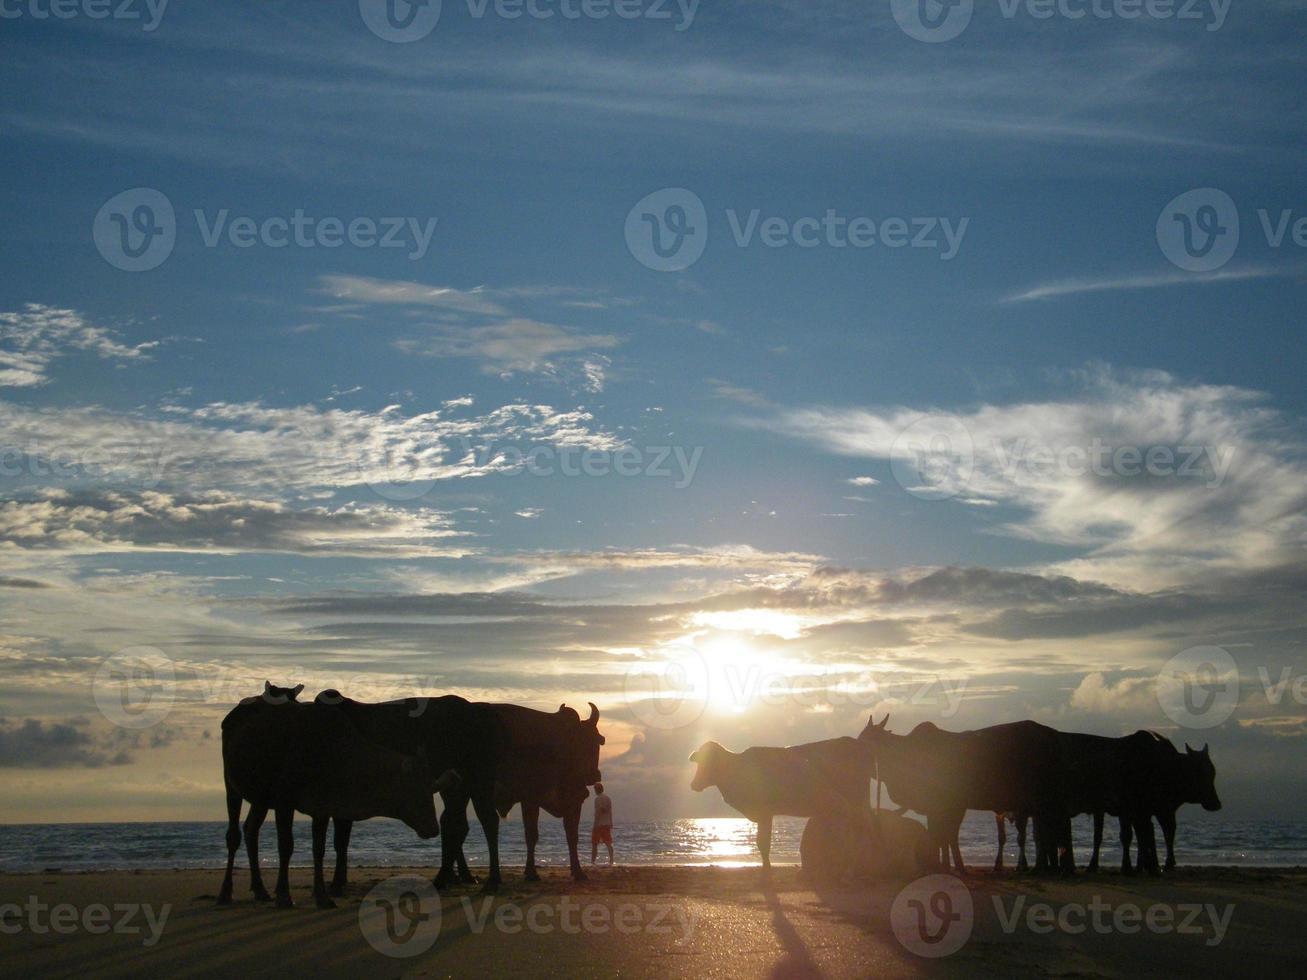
{"points": [[663, 922]]}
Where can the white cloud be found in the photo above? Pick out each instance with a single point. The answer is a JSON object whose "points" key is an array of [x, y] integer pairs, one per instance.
{"points": [[1233, 494], [32, 338], [286, 450], [1071, 287], [515, 345], [217, 522], [365, 290]]}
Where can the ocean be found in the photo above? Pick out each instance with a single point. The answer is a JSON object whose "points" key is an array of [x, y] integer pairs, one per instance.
{"points": [[1202, 839]]}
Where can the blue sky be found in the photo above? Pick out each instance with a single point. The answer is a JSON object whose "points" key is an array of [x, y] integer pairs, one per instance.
{"points": [[290, 461]]}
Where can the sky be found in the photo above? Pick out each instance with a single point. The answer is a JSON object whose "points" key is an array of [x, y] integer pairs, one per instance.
{"points": [[743, 368]]}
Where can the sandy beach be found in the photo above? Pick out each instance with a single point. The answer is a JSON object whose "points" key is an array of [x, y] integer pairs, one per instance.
{"points": [[657, 922]]}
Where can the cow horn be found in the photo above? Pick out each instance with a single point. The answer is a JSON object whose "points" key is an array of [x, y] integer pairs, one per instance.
{"points": [[594, 714], [1203, 750]]}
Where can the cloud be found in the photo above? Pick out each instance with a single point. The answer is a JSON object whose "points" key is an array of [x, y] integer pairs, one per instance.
{"points": [[1149, 479], [513, 346], [508, 344], [863, 481], [10, 582], [251, 447], [35, 744], [107, 521], [32, 338], [1125, 695], [1072, 287], [398, 292], [735, 393]]}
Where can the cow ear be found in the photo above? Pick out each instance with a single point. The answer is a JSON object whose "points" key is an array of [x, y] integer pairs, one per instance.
{"points": [[295, 691], [883, 722], [1188, 748], [1203, 750], [562, 706], [267, 687]]}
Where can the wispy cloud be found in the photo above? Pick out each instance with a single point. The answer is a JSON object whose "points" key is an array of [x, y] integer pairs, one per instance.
{"points": [[1071, 287], [516, 346], [1230, 491], [33, 337]]}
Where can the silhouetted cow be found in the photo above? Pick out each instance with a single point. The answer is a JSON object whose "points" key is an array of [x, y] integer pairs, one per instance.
{"points": [[289, 756], [455, 734], [828, 777], [1156, 781], [549, 761], [1012, 767]]}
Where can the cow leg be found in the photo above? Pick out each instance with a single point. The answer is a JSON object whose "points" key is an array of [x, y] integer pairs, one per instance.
{"points": [[1022, 820], [1147, 845], [1098, 840], [1167, 820], [1066, 850], [531, 829], [253, 824], [1126, 838], [340, 841], [465, 875], [764, 841], [285, 848], [1000, 822], [572, 827], [453, 831], [946, 829], [320, 896], [233, 843], [484, 805]]}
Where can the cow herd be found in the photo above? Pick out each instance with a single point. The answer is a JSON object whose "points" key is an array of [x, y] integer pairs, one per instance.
{"points": [[1023, 771], [339, 760]]}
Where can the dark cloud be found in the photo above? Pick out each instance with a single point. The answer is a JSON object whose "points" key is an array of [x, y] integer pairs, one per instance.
{"points": [[9, 582], [34, 744]]}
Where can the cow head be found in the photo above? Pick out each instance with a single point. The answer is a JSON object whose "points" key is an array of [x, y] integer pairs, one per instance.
{"points": [[1199, 778], [872, 730], [589, 740], [280, 695], [708, 758], [581, 741], [416, 806]]}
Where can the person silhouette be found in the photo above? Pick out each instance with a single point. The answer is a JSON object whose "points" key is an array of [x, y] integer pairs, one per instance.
{"points": [[602, 828]]}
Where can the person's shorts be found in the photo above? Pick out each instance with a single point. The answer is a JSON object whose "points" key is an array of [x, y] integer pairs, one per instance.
{"points": [[601, 835]]}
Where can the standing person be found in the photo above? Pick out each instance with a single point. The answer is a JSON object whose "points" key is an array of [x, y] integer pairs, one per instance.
{"points": [[602, 828]]}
